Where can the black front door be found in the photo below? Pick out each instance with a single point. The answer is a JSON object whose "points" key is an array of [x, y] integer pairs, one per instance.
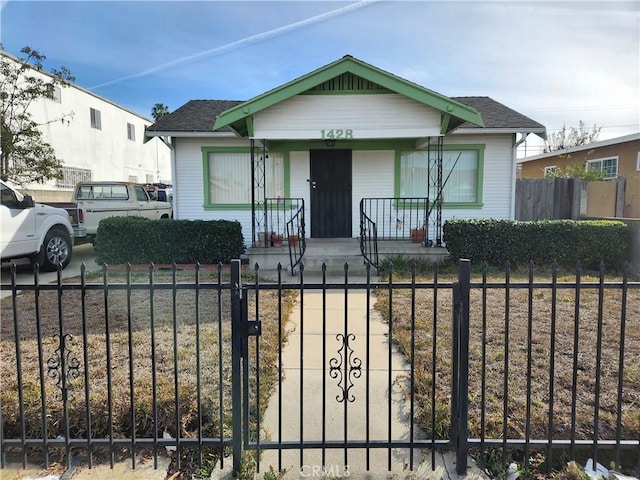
{"points": [[330, 193]]}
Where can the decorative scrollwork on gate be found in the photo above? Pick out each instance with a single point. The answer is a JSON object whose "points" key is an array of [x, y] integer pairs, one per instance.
{"points": [[345, 368], [63, 367]]}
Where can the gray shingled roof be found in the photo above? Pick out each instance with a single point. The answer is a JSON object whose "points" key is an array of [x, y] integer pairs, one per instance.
{"points": [[497, 115], [194, 116], [200, 115]]}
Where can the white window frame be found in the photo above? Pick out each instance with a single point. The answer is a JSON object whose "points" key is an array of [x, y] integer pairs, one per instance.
{"points": [[600, 162], [550, 170], [133, 179], [131, 132], [96, 120], [638, 162]]}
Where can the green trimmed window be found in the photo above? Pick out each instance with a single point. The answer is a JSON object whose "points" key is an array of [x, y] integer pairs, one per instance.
{"points": [[461, 174], [229, 176]]}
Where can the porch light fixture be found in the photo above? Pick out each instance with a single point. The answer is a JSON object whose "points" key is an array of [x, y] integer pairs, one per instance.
{"points": [[331, 142]]}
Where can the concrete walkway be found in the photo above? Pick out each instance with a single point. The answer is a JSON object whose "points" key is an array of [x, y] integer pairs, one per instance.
{"points": [[306, 363]]}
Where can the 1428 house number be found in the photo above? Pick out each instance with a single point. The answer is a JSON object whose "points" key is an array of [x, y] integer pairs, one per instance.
{"points": [[336, 134]]}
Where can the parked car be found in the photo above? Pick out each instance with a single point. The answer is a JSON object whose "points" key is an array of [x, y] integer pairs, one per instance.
{"points": [[41, 233], [160, 192], [93, 201]]}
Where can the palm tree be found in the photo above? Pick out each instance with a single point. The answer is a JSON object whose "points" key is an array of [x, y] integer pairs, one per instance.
{"points": [[159, 110]]}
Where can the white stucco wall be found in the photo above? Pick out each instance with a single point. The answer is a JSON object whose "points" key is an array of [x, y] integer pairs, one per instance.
{"points": [[108, 153]]}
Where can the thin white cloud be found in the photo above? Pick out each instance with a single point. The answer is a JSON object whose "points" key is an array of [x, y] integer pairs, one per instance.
{"points": [[229, 47]]}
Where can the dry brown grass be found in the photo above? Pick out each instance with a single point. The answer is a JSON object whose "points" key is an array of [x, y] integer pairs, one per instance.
{"points": [[173, 342], [515, 343]]}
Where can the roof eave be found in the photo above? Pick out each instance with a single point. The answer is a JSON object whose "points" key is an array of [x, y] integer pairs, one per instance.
{"points": [[446, 105], [541, 132], [194, 133], [150, 135]]}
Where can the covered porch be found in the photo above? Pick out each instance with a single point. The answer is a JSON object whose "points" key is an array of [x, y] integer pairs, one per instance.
{"points": [[388, 227], [346, 165]]}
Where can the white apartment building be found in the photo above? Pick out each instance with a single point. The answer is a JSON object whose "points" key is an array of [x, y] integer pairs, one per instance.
{"points": [[96, 140]]}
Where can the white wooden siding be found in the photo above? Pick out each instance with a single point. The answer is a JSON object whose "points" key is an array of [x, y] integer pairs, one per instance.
{"points": [[372, 176], [497, 177], [188, 185], [367, 116], [299, 185]]}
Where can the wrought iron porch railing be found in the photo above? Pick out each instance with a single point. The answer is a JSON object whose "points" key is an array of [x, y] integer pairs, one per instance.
{"points": [[368, 239], [296, 237], [398, 218], [278, 211]]}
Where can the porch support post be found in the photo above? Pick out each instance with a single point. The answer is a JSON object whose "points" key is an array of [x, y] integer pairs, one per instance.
{"points": [[253, 193]]}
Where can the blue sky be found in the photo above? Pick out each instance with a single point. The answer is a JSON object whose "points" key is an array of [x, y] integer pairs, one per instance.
{"points": [[557, 62]]}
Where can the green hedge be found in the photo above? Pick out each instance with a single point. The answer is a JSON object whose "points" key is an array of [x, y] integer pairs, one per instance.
{"points": [[140, 240], [565, 241]]}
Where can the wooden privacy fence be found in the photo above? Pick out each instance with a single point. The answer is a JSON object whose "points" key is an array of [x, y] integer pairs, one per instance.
{"points": [[548, 198], [568, 198]]}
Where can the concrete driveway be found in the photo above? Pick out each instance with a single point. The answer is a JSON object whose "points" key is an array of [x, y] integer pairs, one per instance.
{"points": [[81, 254]]}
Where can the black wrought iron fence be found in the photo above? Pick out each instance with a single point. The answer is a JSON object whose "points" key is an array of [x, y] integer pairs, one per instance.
{"points": [[142, 360]]}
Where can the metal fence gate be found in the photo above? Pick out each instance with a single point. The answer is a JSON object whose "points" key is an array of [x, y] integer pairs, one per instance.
{"points": [[341, 384]]}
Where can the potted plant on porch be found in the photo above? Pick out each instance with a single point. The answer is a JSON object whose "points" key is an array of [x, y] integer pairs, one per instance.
{"points": [[276, 239], [293, 240], [417, 235]]}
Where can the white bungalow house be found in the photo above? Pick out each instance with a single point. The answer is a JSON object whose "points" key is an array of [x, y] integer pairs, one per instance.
{"points": [[348, 151]]}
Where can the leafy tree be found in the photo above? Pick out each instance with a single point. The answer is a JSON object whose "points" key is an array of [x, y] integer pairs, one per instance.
{"points": [[24, 156], [159, 110], [577, 169], [573, 137]]}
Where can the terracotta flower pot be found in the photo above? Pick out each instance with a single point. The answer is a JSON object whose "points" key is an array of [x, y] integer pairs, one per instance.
{"points": [[417, 236], [293, 240], [276, 240]]}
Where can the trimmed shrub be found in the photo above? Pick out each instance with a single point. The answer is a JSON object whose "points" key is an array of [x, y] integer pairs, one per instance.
{"points": [[565, 241], [140, 240]]}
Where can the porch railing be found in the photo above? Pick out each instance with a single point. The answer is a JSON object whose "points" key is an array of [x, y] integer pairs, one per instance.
{"points": [[278, 211], [398, 218], [368, 239], [296, 237]]}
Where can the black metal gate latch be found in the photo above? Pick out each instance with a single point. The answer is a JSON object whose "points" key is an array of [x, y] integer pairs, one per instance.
{"points": [[253, 328]]}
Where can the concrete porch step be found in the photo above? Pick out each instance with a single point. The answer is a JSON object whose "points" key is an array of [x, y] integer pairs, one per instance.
{"points": [[335, 252]]}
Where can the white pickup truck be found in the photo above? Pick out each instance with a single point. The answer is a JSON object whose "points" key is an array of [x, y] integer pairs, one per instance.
{"points": [[93, 201], [39, 232]]}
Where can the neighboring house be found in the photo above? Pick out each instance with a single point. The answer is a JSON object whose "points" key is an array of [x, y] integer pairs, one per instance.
{"points": [[345, 132], [95, 139], [616, 157]]}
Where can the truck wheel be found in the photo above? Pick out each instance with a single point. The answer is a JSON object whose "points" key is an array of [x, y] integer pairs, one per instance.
{"points": [[56, 250]]}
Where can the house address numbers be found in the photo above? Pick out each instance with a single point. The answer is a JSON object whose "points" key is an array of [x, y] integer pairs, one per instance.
{"points": [[336, 134]]}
